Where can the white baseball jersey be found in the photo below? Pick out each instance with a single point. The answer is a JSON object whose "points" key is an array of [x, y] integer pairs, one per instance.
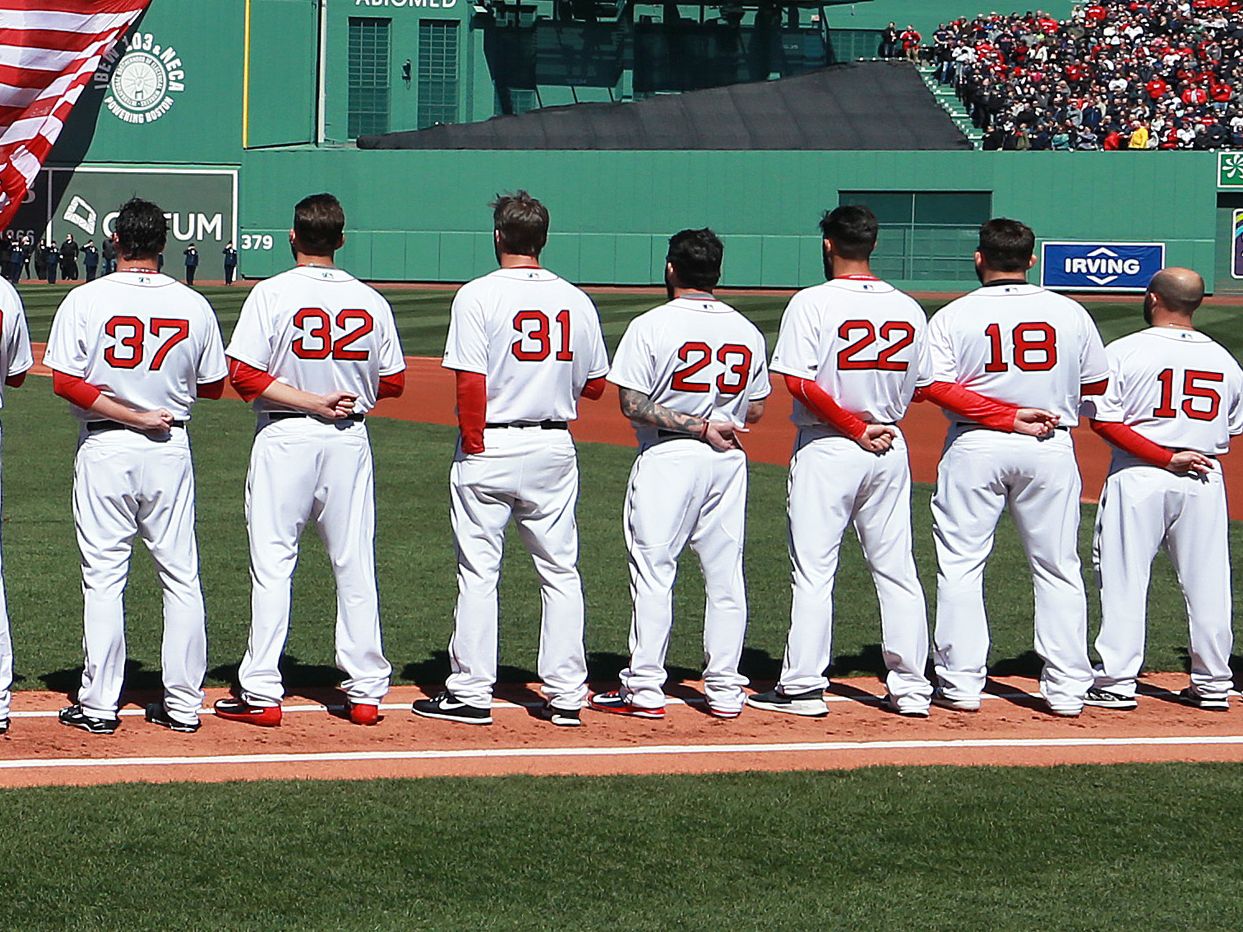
{"points": [[141, 338], [862, 341], [534, 336], [697, 356], [15, 355], [1178, 388], [320, 330], [1018, 344]]}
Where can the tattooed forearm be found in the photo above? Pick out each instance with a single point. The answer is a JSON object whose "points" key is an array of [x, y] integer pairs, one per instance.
{"points": [[639, 407]]}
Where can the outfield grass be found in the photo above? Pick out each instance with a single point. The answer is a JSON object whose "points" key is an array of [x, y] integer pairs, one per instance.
{"points": [[415, 554], [423, 315], [984, 848], [416, 566]]}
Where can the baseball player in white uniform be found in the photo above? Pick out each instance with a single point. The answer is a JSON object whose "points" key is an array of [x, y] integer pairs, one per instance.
{"points": [[131, 352], [850, 350], [314, 349], [1018, 344], [1175, 399], [525, 346], [15, 361], [692, 374]]}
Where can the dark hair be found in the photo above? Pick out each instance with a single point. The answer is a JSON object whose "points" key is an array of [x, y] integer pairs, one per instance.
{"points": [[522, 223], [852, 230], [318, 224], [696, 258], [141, 230], [1007, 245]]}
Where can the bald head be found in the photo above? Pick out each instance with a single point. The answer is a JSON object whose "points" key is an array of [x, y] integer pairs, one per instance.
{"points": [[1177, 291]]}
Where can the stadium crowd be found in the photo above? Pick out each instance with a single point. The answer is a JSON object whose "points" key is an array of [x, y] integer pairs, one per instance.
{"points": [[1119, 74]]}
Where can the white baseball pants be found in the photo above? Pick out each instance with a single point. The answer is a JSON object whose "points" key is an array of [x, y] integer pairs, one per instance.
{"points": [[1143, 509], [6, 641], [683, 491], [303, 469], [834, 484], [125, 483], [531, 476], [981, 472]]}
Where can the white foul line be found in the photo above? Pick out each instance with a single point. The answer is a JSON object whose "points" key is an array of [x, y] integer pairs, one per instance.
{"points": [[627, 751]]}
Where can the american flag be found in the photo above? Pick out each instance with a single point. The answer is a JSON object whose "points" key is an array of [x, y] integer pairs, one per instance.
{"points": [[49, 50]]}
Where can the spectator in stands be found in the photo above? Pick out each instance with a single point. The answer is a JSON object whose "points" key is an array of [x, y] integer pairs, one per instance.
{"points": [[1133, 74], [910, 43], [889, 41]]}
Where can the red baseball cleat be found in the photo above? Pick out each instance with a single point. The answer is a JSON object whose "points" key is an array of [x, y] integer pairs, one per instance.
{"points": [[617, 704], [364, 714], [238, 710]]}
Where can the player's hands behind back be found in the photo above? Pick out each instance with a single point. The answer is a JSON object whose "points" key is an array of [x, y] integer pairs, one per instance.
{"points": [[1035, 422], [877, 438], [159, 421], [1190, 461], [723, 435], [335, 405]]}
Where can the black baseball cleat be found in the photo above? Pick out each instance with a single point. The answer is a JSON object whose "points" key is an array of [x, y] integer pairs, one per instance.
{"points": [[1207, 703], [1104, 699], [158, 715], [74, 717], [910, 710], [452, 709], [565, 718], [4, 726], [810, 703]]}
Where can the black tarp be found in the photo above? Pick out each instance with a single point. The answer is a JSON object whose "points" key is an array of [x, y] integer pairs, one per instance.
{"points": [[867, 105]]}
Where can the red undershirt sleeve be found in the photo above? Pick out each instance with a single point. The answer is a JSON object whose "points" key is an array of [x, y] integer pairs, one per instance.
{"points": [[212, 390], [15, 381], [1093, 388], [248, 381], [391, 386], [1131, 441], [472, 409], [964, 402], [821, 404], [75, 389], [594, 388]]}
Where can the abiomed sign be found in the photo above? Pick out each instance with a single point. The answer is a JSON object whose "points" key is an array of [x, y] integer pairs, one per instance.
{"points": [[1100, 266]]}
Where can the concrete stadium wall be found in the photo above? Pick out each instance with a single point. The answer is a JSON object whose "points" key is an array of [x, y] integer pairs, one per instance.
{"points": [[423, 216]]}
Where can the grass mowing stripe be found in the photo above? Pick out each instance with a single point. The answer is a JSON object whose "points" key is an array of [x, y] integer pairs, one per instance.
{"points": [[938, 848]]}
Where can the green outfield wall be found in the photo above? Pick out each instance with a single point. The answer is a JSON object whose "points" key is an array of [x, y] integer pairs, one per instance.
{"points": [[423, 215], [228, 112]]}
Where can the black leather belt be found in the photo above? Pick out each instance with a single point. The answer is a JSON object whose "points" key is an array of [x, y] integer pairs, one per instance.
{"points": [[675, 435], [286, 415], [95, 427], [542, 425], [963, 426]]}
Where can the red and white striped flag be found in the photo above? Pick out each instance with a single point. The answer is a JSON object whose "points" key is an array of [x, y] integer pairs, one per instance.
{"points": [[49, 50]]}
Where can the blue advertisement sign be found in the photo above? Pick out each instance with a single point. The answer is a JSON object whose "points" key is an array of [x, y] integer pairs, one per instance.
{"points": [[1100, 266]]}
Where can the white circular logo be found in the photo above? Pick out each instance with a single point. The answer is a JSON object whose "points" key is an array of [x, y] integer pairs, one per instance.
{"points": [[140, 76], [140, 82]]}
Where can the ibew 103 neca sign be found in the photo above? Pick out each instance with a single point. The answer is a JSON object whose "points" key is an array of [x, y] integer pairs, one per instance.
{"points": [[1100, 266]]}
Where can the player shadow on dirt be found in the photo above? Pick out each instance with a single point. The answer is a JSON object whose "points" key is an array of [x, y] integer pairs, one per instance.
{"points": [[139, 680]]}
